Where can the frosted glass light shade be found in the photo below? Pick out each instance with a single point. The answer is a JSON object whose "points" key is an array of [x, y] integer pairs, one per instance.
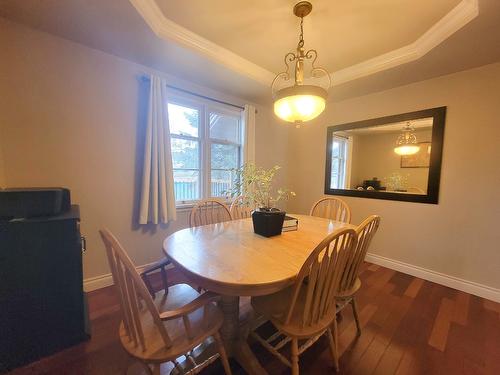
{"points": [[300, 103], [406, 149]]}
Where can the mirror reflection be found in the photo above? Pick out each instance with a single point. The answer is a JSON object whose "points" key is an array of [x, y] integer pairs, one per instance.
{"points": [[391, 157]]}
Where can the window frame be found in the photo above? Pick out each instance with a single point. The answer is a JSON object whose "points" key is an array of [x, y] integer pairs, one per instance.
{"points": [[342, 158], [205, 108], [211, 141]]}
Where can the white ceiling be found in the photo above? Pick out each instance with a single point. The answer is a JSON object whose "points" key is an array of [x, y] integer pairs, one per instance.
{"points": [[236, 47]]}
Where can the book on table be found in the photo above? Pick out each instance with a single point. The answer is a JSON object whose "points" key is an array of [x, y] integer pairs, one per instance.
{"points": [[290, 223]]}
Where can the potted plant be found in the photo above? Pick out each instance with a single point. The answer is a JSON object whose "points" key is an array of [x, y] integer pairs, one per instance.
{"points": [[255, 185]]}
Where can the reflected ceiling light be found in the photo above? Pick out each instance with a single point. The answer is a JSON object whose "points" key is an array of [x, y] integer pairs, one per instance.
{"points": [[406, 144], [300, 102]]}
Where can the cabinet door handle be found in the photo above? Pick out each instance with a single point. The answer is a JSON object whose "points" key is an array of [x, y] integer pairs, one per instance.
{"points": [[84, 244]]}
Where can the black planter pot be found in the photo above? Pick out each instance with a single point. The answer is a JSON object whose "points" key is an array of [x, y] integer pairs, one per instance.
{"points": [[268, 223]]}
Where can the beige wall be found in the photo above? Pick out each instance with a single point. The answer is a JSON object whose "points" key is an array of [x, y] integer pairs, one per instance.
{"points": [[457, 237], [374, 156], [72, 116]]}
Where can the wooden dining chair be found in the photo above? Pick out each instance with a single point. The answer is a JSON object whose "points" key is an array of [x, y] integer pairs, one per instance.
{"points": [[332, 208], [351, 283], [209, 211], [160, 330], [146, 273], [306, 310], [240, 209], [203, 213]]}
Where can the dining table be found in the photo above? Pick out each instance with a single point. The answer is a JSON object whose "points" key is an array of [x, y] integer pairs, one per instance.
{"points": [[228, 258]]}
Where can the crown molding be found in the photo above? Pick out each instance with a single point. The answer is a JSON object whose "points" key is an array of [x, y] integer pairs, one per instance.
{"points": [[165, 28], [457, 18]]}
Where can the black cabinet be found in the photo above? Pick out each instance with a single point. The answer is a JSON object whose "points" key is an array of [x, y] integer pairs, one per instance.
{"points": [[42, 307]]}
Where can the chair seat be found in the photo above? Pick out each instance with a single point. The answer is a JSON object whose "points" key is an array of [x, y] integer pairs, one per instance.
{"points": [[275, 306], [201, 326], [350, 292]]}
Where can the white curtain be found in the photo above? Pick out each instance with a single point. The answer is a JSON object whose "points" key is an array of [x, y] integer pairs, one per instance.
{"points": [[248, 120], [157, 193]]}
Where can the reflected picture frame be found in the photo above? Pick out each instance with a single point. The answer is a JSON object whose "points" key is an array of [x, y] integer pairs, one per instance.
{"points": [[435, 159], [422, 159]]}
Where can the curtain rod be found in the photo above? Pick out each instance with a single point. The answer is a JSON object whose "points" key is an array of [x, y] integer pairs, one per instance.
{"points": [[200, 96]]}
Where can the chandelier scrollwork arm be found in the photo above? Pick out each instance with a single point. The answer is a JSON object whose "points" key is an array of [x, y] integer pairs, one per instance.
{"points": [[289, 57], [313, 54], [285, 75]]}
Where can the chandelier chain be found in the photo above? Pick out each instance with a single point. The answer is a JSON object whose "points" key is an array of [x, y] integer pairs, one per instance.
{"points": [[301, 36]]}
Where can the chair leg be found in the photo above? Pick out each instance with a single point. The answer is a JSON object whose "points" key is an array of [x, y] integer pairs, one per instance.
{"points": [[339, 317], [164, 279], [333, 345], [156, 369], [222, 352], [355, 313], [145, 278], [295, 357]]}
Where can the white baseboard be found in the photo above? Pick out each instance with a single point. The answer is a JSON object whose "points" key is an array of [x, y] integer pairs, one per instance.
{"points": [[102, 281], [437, 277]]}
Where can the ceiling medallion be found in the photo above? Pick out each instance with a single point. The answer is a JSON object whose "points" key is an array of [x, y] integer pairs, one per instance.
{"points": [[406, 144], [305, 99]]}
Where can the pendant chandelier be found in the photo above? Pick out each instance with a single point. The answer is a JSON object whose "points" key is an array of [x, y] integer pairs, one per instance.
{"points": [[406, 144], [302, 101]]}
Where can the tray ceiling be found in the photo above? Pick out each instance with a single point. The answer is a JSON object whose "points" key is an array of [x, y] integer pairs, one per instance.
{"points": [[354, 39], [466, 36], [344, 33]]}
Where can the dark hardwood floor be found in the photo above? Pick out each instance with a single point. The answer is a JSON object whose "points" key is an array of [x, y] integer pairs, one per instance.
{"points": [[410, 326]]}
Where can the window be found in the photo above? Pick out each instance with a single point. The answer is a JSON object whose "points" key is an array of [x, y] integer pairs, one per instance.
{"points": [[206, 142], [339, 162]]}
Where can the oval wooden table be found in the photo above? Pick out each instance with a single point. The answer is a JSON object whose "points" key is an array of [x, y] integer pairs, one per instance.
{"points": [[230, 259]]}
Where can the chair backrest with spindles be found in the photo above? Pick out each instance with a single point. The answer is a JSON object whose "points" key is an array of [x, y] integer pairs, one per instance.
{"points": [[332, 208], [323, 269], [240, 209], [365, 232], [209, 211], [131, 290]]}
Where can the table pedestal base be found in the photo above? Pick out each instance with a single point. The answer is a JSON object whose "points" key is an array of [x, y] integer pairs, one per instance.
{"points": [[235, 336]]}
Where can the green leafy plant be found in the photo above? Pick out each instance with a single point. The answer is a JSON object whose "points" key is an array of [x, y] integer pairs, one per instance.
{"points": [[255, 185], [397, 181]]}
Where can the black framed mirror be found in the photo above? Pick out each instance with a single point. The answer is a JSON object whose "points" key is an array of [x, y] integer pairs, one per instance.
{"points": [[393, 157]]}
